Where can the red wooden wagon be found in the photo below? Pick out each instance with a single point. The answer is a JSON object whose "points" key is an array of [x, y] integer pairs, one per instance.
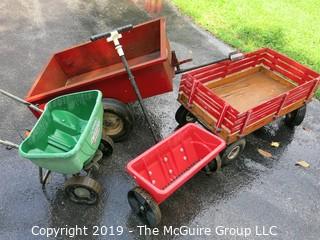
{"points": [[234, 98]]}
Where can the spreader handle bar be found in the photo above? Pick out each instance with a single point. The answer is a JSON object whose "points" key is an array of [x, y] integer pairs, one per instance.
{"points": [[44, 176], [20, 100], [108, 34], [9, 144]]}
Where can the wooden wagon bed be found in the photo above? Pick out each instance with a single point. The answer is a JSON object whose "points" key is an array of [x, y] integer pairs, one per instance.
{"points": [[249, 88]]}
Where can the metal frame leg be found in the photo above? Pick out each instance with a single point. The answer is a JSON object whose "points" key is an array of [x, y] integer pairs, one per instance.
{"points": [[219, 162], [94, 161], [43, 178]]}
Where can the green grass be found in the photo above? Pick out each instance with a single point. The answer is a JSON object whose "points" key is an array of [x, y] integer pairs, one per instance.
{"points": [[289, 26]]}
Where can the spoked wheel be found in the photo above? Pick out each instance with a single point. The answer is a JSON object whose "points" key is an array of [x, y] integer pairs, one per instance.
{"points": [[106, 145], [232, 152], [296, 117], [144, 206], [117, 119], [82, 189], [183, 116]]}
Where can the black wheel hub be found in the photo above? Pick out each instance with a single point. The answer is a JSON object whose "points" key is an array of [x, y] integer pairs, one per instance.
{"points": [[82, 189], [80, 194], [144, 206]]}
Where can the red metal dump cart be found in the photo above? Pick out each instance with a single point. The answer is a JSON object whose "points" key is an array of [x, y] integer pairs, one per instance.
{"points": [[96, 65], [165, 167], [235, 98]]}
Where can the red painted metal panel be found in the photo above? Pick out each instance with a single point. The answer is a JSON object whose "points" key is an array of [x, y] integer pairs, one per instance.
{"points": [[96, 65]]}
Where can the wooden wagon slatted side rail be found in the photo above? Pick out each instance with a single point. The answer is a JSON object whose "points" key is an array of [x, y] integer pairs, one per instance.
{"points": [[214, 94]]}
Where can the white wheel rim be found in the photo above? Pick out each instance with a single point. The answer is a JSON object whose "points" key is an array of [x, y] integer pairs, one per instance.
{"points": [[82, 192], [189, 118], [113, 124], [234, 153]]}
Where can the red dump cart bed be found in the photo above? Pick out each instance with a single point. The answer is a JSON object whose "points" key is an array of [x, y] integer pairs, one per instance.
{"points": [[96, 65], [235, 98]]}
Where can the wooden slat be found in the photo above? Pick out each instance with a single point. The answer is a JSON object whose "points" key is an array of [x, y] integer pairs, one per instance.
{"points": [[257, 115], [210, 94], [293, 63], [200, 75], [213, 112], [304, 77], [284, 72], [264, 121], [216, 76], [203, 114], [214, 107], [240, 68], [252, 60], [277, 77]]}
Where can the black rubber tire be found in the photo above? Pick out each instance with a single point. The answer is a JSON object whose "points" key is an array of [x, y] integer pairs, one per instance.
{"points": [[212, 166], [143, 205], [87, 185], [183, 116], [119, 126], [232, 152], [106, 145], [296, 117]]}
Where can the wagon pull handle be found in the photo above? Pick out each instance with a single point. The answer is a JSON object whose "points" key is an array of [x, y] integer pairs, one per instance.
{"points": [[108, 34], [20, 100], [233, 56]]}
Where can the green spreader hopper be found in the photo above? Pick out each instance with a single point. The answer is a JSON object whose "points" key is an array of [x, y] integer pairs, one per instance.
{"points": [[68, 133]]}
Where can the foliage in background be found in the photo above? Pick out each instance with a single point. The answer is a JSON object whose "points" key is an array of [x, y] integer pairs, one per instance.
{"points": [[289, 26]]}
